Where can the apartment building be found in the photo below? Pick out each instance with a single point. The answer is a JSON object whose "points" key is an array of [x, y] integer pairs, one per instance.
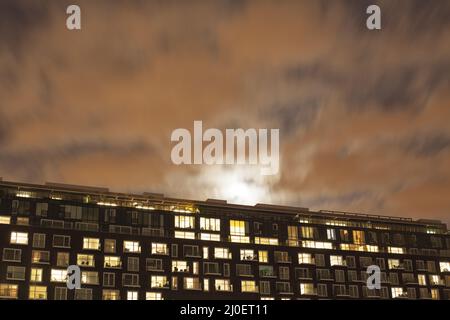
{"points": [[150, 247]]}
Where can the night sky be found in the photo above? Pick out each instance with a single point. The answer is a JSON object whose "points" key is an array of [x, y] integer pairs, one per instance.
{"points": [[364, 116]]}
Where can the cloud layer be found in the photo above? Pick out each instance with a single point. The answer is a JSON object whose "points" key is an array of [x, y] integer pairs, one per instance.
{"points": [[363, 115]]}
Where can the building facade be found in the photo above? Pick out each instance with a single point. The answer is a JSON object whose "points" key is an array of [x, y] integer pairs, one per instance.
{"points": [[152, 247]]}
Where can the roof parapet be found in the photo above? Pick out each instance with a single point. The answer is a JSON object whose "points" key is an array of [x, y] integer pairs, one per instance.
{"points": [[153, 195], [430, 221], [218, 201], [76, 187], [277, 207]]}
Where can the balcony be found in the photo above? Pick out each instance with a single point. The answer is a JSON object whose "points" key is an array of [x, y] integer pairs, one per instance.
{"points": [[117, 265], [181, 270], [160, 285], [283, 259], [439, 282], [267, 273], [284, 290], [249, 258], [250, 290], [153, 232]]}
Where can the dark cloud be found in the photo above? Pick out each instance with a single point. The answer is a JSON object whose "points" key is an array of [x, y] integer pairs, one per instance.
{"points": [[363, 115], [19, 19], [294, 116], [428, 145]]}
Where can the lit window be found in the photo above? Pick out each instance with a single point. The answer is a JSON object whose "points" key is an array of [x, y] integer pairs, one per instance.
{"points": [[159, 282], [444, 266], [112, 262], [58, 275], [85, 260], [111, 295], [307, 289], [153, 296], [19, 238], [266, 241], [5, 220], [180, 266], [132, 295], [336, 260], [356, 247], [435, 294], [91, 243], [238, 227], [435, 280], [42, 257], [394, 263], [159, 248], [37, 293], [396, 250], [358, 237], [263, 256], [331, 234], [210, 236], [305, 258], [293, 236], [9, 291], [422, 279], [131, 246], [398, 292], [210, 224], [222, 285], [248, 286], [190, 283], [36, 275], [240, 239], [248, 254], [23, 221], [222, 253], [184, 222], [184, 235], [317, 244], [89, 277], [308, 232]]}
